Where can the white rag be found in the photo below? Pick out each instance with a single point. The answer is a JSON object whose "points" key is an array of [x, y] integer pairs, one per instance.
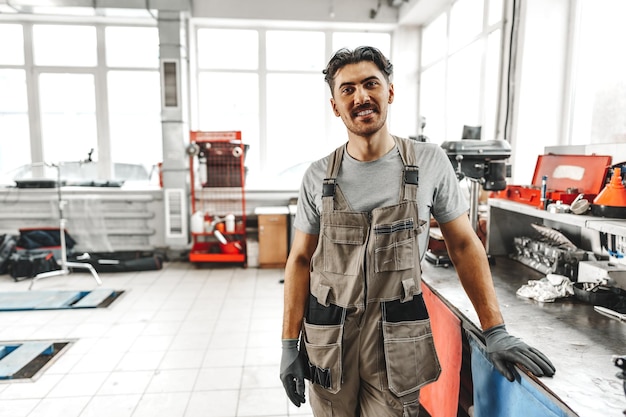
{"points": [[547, 289]]}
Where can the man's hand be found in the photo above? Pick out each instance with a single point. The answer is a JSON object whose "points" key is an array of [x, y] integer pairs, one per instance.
{"points": [[292, 371], [505, 350]]}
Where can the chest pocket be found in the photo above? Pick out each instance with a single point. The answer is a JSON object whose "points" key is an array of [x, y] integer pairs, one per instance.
{"points": [[396, 245], [342, 248]]}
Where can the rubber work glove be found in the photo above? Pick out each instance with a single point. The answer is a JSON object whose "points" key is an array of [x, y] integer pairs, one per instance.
{"points": [[505, 350], [292, 371]]}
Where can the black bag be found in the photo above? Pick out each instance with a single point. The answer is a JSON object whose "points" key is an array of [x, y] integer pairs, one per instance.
{"points": [[7, 247], [40, 238], [120, 262], [27, 265]]}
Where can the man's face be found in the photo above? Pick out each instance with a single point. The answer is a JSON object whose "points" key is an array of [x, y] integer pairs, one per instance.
{"points": [[361, 97]]}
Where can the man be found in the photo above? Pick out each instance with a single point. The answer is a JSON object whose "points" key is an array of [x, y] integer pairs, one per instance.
{"points": [[355, 322]]}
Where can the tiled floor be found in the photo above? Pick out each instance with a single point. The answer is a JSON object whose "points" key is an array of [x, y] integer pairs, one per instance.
{"points": [[181, 341]]}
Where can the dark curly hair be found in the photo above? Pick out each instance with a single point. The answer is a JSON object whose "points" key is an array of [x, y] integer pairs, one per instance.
{"points": [[346, 56]]}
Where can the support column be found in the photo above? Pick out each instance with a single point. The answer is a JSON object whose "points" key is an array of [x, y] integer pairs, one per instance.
{"points": [[173, 52]]}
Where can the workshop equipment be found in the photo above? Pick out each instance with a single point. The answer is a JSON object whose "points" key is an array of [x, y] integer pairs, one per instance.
{"points": [[603, 284], [548, 258], [66, 266], [482, 163], [216, 159], [605, 272], [549, 253], [611, 202], [560, 178]]}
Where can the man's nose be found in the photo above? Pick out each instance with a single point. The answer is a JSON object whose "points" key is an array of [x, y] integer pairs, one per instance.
{"points": [[361, 96]]}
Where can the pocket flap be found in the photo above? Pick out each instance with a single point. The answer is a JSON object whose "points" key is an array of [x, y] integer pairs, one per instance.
{"points": [[410, 289], [347, 235], [321, 292], [317, 335], [422, 226]]}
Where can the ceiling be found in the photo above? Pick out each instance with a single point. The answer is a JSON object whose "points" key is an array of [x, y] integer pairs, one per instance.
{"points": [[368, 12]]}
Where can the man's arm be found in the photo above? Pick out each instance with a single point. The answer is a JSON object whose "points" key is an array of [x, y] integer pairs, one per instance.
{"points": [[470, 260], [297, 279]]}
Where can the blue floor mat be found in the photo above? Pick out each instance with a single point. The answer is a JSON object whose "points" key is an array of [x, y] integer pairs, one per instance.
{"points": [[54, 300]]}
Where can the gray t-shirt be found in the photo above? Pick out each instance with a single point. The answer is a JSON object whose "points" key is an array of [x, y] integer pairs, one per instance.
{"points": [[372, 184]]}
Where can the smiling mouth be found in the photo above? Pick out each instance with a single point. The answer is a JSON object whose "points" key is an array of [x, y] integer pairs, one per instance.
{"points": [[364, 113]]}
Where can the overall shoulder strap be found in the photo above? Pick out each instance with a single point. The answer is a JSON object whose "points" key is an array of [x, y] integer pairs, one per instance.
{"points": [[330, 182], [410, 178]]}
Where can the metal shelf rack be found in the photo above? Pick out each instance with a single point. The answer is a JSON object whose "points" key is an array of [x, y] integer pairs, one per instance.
{"points": [[217, 174]]}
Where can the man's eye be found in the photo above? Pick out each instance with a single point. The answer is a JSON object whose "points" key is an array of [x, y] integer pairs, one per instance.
{"points": [[372, 84], [347, 90]]}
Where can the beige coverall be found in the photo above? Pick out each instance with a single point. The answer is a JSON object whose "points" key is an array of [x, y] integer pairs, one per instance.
{"points": [[366, 330]]}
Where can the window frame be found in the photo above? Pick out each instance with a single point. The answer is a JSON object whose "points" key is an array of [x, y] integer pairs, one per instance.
{"points": [[99, 72]]}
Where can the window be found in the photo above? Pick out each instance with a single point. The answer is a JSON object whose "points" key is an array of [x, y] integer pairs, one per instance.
{"points": [[351, 40], [272, 90], [230, 101], [134, 100], [599, 89], [68, 116], [14, 129], [110, 106], [466, 22], [459, 77], [491, 91], [135, 117], [65, 46], [495, 11], [228, 85], [464, 90], [12, 45], [285, 51], [433, 102], [136, 47], [228, 49], [434, 40], [295, 98], [293, 126]]}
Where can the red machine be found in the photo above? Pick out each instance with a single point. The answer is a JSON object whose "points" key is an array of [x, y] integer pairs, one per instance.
{"points": [[216, 161]]}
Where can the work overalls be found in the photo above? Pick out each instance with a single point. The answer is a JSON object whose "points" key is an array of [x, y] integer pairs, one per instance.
{"points": [[366, 330]]}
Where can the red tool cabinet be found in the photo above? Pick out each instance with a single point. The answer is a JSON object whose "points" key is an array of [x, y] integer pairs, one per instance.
{"points": [[217, 171]]}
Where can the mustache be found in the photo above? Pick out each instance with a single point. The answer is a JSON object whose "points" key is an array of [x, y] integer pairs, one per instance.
{"points": [[364, 107]]}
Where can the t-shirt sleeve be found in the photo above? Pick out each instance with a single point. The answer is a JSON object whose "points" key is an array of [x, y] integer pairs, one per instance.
{"points": [[448, 200], [307, 217]]}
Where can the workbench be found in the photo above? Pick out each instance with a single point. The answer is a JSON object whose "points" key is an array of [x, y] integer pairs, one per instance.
{"points": [[579, 341]]}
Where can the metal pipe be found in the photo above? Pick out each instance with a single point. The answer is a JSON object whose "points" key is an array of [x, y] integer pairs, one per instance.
{"points": [[474, 193]]}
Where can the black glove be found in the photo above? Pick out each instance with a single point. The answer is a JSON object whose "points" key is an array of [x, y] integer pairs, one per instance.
{"points": [[505, 350], [292, 371]]}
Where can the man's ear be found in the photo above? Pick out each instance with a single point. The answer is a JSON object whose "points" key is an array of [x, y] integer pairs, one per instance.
{"points": [[391, 94], [334, 106]]}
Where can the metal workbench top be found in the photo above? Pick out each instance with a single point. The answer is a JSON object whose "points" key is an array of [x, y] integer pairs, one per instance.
{"points": [[579, 341]]}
